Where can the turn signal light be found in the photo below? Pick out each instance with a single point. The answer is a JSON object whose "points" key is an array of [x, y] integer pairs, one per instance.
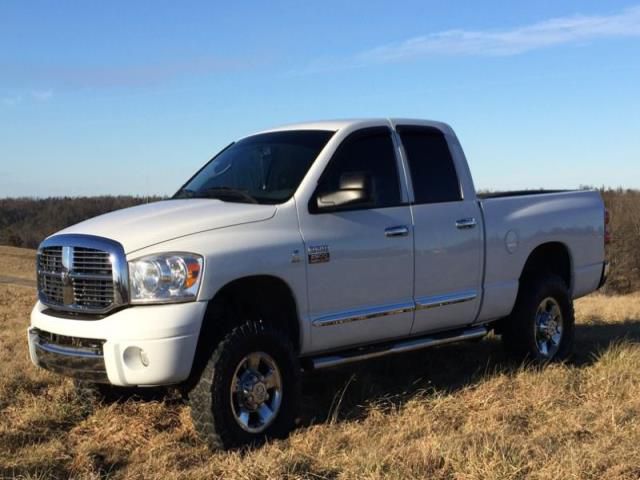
{"points": [[193, 272]]}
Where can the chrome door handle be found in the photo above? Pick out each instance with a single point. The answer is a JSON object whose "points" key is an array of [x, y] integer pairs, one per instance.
{"points": [[465, 223], [398, 231]]}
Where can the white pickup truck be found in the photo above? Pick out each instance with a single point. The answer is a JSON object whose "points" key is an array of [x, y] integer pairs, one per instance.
{"points": [[305, 247]]}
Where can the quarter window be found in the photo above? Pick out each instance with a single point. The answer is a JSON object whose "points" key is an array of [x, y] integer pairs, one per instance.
{"points": [[433, 173]]}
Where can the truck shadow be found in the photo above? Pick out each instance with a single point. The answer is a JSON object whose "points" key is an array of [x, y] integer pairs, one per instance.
{"points": [[346, 393]]}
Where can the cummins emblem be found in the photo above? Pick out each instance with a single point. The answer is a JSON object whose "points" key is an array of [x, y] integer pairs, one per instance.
{"points": [[319, 254]]}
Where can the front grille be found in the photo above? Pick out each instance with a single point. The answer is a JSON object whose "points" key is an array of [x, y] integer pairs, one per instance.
{"points": [[76, 278], [51, 287], [93, 293], [50, 259], [91, 345], [91, 261]]}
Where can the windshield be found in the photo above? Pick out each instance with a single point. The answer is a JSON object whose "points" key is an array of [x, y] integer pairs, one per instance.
{"points": [[265, 168]]}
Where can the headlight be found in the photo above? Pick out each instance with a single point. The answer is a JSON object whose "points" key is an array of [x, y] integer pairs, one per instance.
{"points": [[169, 277]]}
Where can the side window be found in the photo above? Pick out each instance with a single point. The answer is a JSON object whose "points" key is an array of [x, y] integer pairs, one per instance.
{"points": [[371, 153], [432, 170]]}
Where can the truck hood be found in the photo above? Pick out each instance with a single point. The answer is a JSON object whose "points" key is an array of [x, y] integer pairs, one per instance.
{"points": [[152, 223]]}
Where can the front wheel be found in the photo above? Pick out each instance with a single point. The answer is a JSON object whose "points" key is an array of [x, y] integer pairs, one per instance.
{"points": [[248, 390], [541, 326]]}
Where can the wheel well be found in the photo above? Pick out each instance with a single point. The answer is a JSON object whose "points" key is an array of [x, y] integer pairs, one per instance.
{"points": [[260, 297], [550, 257], [265, 297]]}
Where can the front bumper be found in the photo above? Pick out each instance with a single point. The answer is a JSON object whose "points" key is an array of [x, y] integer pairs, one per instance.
{"points": [[138, 346], [74, 357]]}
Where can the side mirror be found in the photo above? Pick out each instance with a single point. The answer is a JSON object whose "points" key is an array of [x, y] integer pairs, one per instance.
{"points": [[354, 189]]}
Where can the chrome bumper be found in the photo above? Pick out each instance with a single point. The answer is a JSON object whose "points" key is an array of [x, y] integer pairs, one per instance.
{"points": [[80, 358]]}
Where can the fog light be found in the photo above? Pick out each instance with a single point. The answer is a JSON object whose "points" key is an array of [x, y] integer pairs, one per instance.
{"points": [[144, 358], [135, 358]]}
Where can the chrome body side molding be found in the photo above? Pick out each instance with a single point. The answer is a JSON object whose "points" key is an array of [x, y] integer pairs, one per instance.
{"points": [[394, 309], [443, 300], [364, 314], [401, 346]]}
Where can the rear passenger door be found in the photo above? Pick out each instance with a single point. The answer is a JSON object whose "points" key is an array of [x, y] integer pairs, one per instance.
{"points": [[447, 234]]}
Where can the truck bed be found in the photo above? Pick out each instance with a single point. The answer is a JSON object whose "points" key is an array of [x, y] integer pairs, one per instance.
{"points": [[516, 222]]}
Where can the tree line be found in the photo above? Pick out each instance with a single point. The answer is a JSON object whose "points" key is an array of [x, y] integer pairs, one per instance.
{"points": [[25, 222]]}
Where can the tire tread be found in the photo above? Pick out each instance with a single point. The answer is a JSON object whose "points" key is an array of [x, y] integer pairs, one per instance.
{"points": [[210, 422], [517, 333]]}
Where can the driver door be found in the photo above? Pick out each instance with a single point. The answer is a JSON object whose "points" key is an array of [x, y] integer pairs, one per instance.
{"points": [[359, 254]]}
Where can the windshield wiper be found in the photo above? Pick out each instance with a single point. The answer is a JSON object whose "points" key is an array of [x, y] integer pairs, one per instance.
{"points": [[222, 193]]}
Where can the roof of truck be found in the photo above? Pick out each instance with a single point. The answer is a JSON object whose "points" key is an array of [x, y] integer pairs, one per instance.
{"points": [[335, 125]]}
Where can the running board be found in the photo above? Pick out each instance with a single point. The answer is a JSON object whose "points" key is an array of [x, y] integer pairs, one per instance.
{"points": [[407, 345]]}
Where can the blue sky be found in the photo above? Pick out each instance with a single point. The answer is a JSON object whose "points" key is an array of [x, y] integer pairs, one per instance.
{"points": [[132, 97]]}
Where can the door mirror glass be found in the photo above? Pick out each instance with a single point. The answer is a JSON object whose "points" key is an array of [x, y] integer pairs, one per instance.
{"points": [[354, 189]]}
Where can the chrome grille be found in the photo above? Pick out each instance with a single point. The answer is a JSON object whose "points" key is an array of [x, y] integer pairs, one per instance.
{"points": [[93, 293], [75, 277], [49, 279], [50, 259], [91, 261], [51, 287]]}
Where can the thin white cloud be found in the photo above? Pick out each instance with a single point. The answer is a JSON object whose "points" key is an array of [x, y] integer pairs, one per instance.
{"points": [[568, 30], [42, 95], [64, 76], [11, 100]]}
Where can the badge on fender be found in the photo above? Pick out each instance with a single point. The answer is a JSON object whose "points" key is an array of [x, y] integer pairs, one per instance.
{"points": [[319, 254]]}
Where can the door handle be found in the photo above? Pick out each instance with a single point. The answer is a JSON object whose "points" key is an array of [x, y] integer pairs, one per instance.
{"points": [[397, 231], [465, 223]]}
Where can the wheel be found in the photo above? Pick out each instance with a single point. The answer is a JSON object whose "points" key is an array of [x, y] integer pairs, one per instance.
{"points": [[249, 389], [541, 326]]}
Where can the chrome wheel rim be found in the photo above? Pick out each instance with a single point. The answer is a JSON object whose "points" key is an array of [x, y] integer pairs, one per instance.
{"points": [[548, 327], [256, 392]]}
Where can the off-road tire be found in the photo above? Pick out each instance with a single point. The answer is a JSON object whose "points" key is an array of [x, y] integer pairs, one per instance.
{"points": [[518, 330], [209, 398]]}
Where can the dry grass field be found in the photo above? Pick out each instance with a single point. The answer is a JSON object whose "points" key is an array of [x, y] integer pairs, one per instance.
{"points": [[17, 263], [458, 412]]}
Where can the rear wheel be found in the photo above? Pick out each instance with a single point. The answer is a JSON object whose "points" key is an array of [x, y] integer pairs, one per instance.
{"points": [[548, 327], [541, 326]]}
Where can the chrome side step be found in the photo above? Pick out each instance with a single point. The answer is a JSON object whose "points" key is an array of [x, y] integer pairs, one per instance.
{"points": [[407, 345]]}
